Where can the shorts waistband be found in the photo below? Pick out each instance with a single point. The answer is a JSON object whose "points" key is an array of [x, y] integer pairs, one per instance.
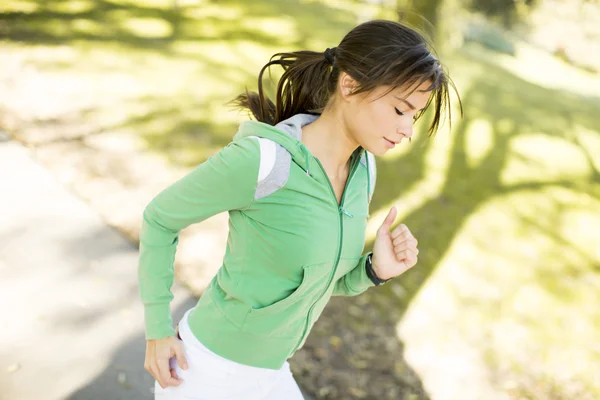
{"points": [[195, 346]]}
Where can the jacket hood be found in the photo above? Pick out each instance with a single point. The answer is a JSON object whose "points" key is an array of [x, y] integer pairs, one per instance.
{"points": [[287, 133]]}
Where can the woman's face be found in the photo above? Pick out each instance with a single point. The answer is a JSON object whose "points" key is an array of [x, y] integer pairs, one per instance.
{"points": [[378, 123]]}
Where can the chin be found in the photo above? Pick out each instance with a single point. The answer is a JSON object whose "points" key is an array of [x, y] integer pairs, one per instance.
{"points": [[376, 151], [376, 147]]}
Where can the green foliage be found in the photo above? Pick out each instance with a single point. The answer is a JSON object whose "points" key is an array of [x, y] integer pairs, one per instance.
{"points": [[489, 36]]}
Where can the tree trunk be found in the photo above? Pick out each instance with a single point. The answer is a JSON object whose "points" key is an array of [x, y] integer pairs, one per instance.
{"points": [[436, 18]]}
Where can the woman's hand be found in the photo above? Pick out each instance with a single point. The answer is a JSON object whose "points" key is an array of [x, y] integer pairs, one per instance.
{"points": [[158, 355], [394, 252]]}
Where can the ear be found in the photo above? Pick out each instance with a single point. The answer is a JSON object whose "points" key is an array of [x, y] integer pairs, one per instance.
{"points": [[347, 85]]}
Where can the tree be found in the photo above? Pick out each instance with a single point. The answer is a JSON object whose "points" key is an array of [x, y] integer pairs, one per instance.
{"points": [[438, 19]]}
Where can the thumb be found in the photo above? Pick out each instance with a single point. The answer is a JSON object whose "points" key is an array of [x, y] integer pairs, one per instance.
{"points": [[389, 220], [179, 354]]}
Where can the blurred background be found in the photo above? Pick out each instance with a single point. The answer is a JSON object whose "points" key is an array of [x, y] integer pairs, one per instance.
{"points": [[103, 103]]}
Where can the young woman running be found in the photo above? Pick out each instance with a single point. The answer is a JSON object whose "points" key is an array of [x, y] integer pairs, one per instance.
{"points": [[297, 183]]}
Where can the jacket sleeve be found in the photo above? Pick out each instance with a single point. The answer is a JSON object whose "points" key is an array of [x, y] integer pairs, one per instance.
{"points": [[226, 181], [354, 282]]}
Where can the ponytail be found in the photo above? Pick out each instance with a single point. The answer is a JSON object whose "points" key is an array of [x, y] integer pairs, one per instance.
{"points": [[307, 82]]}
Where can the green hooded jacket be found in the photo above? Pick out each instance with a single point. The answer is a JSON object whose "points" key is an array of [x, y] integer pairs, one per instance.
{"points": [[290, 247]]}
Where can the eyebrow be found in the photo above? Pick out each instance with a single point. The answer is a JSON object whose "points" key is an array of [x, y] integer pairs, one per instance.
{"points": [[407, 102]]}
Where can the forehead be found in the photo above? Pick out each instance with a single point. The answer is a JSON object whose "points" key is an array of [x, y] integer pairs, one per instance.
{"points": [[415, 93], [412, 91]]}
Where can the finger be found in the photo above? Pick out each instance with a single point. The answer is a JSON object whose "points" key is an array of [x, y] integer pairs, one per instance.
{"points": [[405, 234], [164, 372], [180, 354], [411, 259], [175, 376], [404, 239], [400, 229], [412, 254], [404, 266], [404, 229], [389, 220], [156, 375], [409, 244], [402, 236], [408, 254], [401, 255], [173, 380]]}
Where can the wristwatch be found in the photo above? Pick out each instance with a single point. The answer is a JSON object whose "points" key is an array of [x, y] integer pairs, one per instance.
{"points": [[371, 273]]}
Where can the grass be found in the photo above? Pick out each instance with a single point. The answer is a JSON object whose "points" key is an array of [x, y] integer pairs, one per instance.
{"points": [[506, 206]]}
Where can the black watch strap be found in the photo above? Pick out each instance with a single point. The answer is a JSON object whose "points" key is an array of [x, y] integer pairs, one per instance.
{"points": [[371, 273]]}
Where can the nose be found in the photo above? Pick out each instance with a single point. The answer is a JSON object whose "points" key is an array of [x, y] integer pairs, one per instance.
{"points": [[406, 131]]}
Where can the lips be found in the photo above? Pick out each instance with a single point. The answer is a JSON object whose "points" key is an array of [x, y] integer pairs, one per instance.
{"points": [[390, 143]]}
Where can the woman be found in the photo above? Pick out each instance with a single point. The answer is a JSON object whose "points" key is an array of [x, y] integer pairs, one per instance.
{"points": [[297, 183]]}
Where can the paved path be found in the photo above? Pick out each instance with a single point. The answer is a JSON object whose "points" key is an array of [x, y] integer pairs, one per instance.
{"points": [[70, 314]]}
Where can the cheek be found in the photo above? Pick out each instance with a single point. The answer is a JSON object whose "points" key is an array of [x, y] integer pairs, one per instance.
{"points": [[371, 127], [370, 121], [403, 124], [383, 122], [376, 119]]}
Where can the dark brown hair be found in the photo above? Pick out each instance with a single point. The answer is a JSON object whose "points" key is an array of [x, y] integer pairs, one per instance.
{"points": [[375, 53]]}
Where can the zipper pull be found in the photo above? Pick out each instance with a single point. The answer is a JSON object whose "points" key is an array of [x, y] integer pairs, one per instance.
{"points": [[341, 209]]}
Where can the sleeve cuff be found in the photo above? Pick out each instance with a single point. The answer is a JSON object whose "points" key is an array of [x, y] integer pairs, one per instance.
{"points": [[158, 321], [363, 281]]}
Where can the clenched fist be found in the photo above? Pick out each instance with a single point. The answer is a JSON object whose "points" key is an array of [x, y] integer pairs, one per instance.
{"points": [[394, 252], [158, 355]]}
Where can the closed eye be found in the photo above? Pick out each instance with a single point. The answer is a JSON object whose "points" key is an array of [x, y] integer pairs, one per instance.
{"points": [[417, 115]]}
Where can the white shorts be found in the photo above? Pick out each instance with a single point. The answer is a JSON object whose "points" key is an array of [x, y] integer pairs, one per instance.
{"points": [[212, 377]]}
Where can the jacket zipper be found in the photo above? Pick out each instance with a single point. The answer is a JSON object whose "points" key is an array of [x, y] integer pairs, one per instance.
{"points": [[341, 240]]}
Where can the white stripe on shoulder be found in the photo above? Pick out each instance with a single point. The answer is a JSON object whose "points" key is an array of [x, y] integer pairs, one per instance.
{"points": [[267, 157]]}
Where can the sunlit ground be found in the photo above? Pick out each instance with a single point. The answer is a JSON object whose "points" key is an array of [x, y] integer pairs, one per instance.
{"points": [[510, 309], [503, 303]]}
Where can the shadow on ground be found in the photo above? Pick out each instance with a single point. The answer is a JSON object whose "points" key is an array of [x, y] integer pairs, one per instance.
{"points": [[125, 378]]}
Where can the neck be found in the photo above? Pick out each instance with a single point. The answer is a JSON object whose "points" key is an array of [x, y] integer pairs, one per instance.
{"points": [[328, 139]]}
